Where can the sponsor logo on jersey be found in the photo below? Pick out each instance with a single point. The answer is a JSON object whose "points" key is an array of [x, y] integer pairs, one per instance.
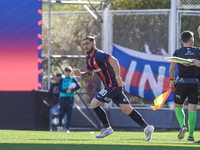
{"points": [[189, 53], [124, 99], [97, 70], [107, 99], [178, 96]]}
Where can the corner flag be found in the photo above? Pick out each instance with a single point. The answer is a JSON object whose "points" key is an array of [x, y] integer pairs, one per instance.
{"points": [[160, 100]]}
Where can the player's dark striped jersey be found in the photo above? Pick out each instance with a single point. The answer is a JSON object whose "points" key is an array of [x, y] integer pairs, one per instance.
{"points": [[99, 63], [187, 53]]}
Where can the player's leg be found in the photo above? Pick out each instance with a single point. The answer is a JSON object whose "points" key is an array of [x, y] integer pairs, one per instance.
{"points": [[192, 117], [137, 117], [61, 113], [122, 101], [180, 95], [180, 114], [101, 113], [69, 114], [134, 114], [192, 108]]}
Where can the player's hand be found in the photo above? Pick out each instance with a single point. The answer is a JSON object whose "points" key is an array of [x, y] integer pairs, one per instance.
{"points": [[77, 72], [171, 84], [120, 81], [68, 91]]}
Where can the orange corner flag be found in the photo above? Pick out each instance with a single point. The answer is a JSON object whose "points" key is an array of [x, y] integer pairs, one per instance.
{"points": [[160, 100]]}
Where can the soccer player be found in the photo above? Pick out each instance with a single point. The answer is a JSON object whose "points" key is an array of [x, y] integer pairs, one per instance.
{"points": [[107, 68], [186, 85]]}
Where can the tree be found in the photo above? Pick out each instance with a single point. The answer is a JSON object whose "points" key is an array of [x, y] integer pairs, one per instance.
{"points": [[137, 4]]}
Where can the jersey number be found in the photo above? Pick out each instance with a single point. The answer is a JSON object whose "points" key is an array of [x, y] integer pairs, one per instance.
{"points": [[103, 92]]}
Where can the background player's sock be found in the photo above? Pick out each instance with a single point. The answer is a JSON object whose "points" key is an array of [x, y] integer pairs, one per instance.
{"points": [[180, 115], [192, 117], [135, 115], [102, 116]]}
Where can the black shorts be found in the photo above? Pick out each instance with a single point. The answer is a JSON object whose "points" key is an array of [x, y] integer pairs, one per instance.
{"points": [[182, 91], [115, 94]]}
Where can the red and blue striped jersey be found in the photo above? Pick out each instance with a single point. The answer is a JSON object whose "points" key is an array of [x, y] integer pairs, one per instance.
{"points": [[99, 62]]}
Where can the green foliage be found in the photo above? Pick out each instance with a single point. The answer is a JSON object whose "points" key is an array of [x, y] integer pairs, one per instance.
{"points": [[137, 4], [115, 5]]}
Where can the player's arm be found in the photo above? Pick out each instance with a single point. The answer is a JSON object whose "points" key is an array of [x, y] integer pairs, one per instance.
{"points": [[78, 85], [86, 74], [172, 73], [116, 67]]}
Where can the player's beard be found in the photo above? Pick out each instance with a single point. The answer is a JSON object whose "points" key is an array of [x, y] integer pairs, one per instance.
{"points": [[89, 51]]}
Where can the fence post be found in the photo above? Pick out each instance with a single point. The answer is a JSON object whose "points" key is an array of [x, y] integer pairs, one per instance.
{"points": [[106, 31], [106, 39], [49, 46], [173, 21]]}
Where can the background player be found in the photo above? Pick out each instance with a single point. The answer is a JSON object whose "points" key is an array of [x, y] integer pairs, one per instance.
{"points": [[67, 88], [107, 68]]}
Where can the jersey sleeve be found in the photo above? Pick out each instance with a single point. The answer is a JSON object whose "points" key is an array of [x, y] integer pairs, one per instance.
{"points": [[78, 85], [175, 54], [88, 68]]}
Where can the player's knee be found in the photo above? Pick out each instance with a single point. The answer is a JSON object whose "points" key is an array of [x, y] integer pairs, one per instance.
{"points": [[94, 103], [127, 110]]}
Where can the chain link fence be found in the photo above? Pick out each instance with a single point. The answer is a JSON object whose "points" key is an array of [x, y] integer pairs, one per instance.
{"points": [[188, 20], [132, 29], [189, 2]]}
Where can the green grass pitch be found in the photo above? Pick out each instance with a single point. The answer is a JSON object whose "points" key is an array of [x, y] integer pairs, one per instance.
{"points": [[85, 140]]}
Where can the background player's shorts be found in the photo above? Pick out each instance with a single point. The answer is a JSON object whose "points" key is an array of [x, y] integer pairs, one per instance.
{"points": [[115, 94], [186, 90]]}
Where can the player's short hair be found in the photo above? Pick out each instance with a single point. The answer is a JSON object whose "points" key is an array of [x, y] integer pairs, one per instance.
{"points": [[68, 68], [91, 38], [186, 35]]}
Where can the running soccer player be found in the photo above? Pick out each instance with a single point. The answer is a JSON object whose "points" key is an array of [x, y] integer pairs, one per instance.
{"points": [[107, 68], [186, 85]]}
